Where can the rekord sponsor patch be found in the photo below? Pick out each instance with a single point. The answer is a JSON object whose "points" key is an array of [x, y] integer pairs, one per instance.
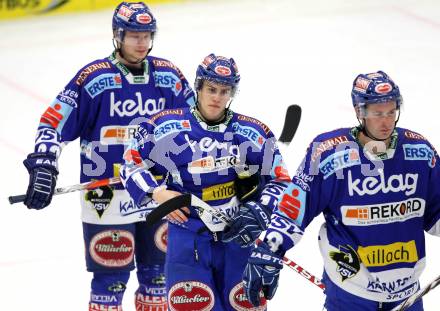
{"points": [[190, 295], [117, 135], [419, 152], [112, 248], [338, 161], [168, 80], [249, 133], [171, 126], [383, 213], [384, 255], [103, 82], [293, 203], [239, 301]]}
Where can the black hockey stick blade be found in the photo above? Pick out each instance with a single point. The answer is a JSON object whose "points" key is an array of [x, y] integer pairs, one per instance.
{"points": [[167, 207], [291, 123]]}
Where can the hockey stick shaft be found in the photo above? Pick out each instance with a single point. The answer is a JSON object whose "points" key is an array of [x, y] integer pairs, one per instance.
{"points": [[84, 186], [417, 296]]}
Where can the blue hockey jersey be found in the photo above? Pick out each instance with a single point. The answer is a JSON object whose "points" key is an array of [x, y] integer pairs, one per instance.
{"points": [[103, 105], [376, 206], [204, 160]]}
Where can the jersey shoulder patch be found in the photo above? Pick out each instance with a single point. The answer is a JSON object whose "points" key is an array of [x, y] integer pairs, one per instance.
{"points": [[244, 120], [326, 143], [167, 114], [93, 69]]}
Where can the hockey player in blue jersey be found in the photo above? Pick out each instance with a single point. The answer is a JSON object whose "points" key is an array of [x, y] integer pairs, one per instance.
{"points": [[377, 186], [101, 105], [203, 151]]}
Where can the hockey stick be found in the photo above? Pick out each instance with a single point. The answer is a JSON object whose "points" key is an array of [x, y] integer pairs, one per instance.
{"points": [[187, 199], [291, 123], [416, 297], [84, 186], [184, 200]]}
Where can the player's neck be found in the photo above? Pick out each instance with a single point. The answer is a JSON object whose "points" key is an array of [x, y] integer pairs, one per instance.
{"points": [[128, 64], [374, 146]]}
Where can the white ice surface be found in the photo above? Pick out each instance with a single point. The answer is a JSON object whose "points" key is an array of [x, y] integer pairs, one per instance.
{"points": [[303, 52]]}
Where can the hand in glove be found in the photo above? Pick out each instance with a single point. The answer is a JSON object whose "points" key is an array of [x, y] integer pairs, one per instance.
{"points": [[261, 274], [247, 225], [43, 174]]}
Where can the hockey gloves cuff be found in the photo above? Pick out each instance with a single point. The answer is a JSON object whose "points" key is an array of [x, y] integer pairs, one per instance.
{"points": [[247, 225], [43, 172]]}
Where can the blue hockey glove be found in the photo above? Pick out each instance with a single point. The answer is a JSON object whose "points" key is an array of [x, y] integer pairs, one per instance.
{"points": [[261, 274], [42, 168], [247, 225]]}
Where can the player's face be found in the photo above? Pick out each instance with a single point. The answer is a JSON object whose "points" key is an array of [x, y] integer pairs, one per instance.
{"points": [[213, 98], [136, 45], [380, 119]]}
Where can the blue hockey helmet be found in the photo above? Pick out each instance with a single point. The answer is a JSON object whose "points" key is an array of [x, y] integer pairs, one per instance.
{"points": [[135, 17], [218, 69], [373, 88]]}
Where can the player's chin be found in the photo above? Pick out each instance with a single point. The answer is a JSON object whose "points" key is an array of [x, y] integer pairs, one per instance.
{"points": [[384, 134], [140, 54]]}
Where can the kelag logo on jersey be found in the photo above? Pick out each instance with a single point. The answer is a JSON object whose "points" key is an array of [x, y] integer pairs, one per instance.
{"points": [[419, 152], [384, 213], [249, 133], [129, 107], [373, 184], [338, 161], [103, 82], [171, 126], [168, 80]]}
